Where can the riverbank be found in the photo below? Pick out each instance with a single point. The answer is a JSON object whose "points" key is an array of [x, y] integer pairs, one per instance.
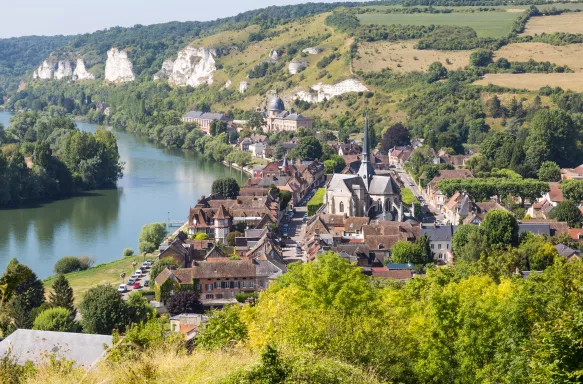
{"points": [[101, 274]]}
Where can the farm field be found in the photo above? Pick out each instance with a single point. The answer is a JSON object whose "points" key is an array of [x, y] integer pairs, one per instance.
{"points": [[403, 57], [568, 23], [535, 81], [486, 24], [570, 55]]}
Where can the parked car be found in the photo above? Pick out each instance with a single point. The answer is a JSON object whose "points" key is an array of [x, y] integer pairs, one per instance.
{"points": [[122, 288], [136, 285], [138, 273], [147, 283], [131, 280]]}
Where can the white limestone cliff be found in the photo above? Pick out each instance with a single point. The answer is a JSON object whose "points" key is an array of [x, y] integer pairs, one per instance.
{"points": [[243, 86], [274, 55], [46, 70], [296, 66], [118, 68], [166, 70], [64, 69], [321, 92], [193, 66], [228, 83], [80, 72], [312, 50]]}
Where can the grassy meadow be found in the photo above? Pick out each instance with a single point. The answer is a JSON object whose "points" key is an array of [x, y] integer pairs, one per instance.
{"points": [[486, 24]]}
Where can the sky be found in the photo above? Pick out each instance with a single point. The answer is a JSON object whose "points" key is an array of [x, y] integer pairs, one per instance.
{"points": [[66, 17]]}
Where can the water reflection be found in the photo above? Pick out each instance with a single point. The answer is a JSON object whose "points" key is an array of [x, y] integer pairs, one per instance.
{"points": [[156, 182]]}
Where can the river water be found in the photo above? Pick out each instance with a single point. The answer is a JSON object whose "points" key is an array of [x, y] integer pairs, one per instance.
{"points": [[158, 183]]}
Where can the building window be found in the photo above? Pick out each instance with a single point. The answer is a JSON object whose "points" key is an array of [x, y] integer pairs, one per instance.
{"points": [[432, 246], [446, 246], [438, 246], [261, 283], [209, 296], [209, 287], [341, 207], [244, 285], [251, 284]]}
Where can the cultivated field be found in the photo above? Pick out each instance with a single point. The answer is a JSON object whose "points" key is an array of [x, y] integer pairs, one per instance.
{"points": [[486, 24], [568, 23], [403, 57], [570, 55], [535, 81]]}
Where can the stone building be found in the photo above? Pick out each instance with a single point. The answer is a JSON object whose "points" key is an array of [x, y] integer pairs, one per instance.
{"points": [[204, 119], [364, 194], [278, 119]]}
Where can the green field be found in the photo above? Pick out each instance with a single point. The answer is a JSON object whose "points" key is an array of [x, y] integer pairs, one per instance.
{"points": [[98, 275], [408, 197], [486, 24]]}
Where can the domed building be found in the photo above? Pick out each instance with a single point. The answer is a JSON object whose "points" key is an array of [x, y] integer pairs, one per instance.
{"points": [[278, 119]]}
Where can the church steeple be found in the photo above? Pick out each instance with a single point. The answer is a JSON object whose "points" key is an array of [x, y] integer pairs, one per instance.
{"points": [[366, 171]]}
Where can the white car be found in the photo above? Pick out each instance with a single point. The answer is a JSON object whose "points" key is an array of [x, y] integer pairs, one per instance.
{"points": [[138, 273], [122, 288]]}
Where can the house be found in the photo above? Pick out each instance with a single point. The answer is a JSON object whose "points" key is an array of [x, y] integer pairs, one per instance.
{"points": [[567, 252], [204, 119], [84, 350], [397, 274], [458, 207], [555, 227], [278, 119], [535, 228], [432, 193], [188, 324], [457, 161], [540, 209], [257, 149], [572, 173], [439, 240], [399, 155], [218, 280], [479, 211], [576, 233]]}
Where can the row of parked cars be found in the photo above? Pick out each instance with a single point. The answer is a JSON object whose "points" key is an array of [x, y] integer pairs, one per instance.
{"points": [[137, 275]]}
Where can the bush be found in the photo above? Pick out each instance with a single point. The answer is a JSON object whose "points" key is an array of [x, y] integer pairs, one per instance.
{"points": [[86, 262], [242, 297], [128, 252], [184, 302], [55, 319], [201, 236], [67, 264], [316, 201]]}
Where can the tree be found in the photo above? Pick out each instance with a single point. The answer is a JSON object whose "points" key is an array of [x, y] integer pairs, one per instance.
{"points": [[227, 187], [278, 152], [103, 310], [55, 319], [67, 264], [460, 237], [128, 252], [397, 135], [480, 58], [138, 309], [222, 329], [14, 275], [28, 295], [231, 238], [218, 127], [476, 245], [329, 167], [161, 265], [184, 302], [62, 295], [255, 120], [284, 198], [201, 236], [151, 237], [406, 252], [552, 137], [495, 107], [549, 171], [568, 211], [500, 227], [572, 189], [309, 148], [436, 71]]}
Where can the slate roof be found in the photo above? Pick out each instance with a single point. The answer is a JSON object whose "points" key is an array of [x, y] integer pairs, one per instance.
{"points": [[84, 349], [565, 251], [450, 174], [205, 115], [296, 117], [536, 228], [438, 232]]}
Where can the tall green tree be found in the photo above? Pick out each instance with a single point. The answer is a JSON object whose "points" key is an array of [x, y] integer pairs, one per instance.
{"points": [[55, 319], [549, 171], [227, 187], [568, 211], [500, 227], [151, 237], [62, 295], [309, 148]]}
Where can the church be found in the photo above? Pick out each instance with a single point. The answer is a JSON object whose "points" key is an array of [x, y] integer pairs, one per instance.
{"points": [[364, 194]]}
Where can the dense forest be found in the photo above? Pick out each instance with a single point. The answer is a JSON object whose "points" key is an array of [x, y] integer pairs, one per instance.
{"points": [[47, 157]]}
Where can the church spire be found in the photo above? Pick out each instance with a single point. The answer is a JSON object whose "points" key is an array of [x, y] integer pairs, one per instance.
{"points": [[366, 170]]}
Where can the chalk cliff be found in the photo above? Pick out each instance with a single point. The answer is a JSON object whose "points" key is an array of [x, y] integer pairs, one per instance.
{"points": [[80, 72], [243, 86], [321, 92], [64, 69], [296, 66], [312, 50], [193, 66], [118, 68], [46, 70], [166, 70]]}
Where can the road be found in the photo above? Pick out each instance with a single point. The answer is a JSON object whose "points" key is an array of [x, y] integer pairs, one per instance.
{"points": [[140, 280], [430, 212]]}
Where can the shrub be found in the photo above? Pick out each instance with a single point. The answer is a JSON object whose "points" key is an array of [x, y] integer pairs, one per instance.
{"points": [[316, 201], [86, 262], [56, 319], [184, 302], [241, 297], [201, 236], [67, 264], [128, 252]]}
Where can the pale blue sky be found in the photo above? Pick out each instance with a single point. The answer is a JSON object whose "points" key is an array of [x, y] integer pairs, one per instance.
{"points": [[44, 17]]}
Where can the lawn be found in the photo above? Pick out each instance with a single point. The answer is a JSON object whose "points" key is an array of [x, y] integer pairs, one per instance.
{"points": [[486, 24], [408, 197], [316, 201], [98, 275]]}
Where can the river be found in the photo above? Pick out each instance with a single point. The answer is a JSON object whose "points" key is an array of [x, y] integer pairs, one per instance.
{"points": [[158, 183]]}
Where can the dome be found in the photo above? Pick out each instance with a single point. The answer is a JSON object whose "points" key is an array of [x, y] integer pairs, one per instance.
{"points": [[276, 104]]}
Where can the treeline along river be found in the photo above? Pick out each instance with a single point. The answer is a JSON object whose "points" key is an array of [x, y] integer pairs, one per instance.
{"points": [[157, 182]]}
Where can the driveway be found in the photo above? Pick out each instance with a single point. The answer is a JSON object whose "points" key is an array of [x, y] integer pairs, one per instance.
{"points": [[296, 229]]}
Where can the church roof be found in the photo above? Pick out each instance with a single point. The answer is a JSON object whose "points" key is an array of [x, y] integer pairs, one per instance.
{"points": [[276, 104], [382, 185]]}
